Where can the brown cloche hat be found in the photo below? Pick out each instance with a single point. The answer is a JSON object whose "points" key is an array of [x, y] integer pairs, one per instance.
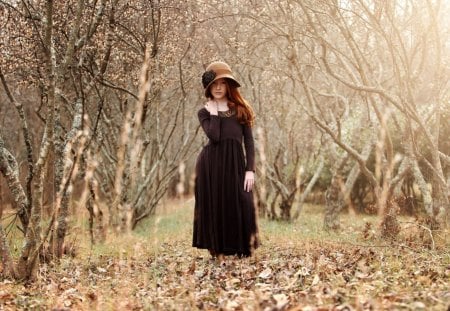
{"points": [[217, 70]]}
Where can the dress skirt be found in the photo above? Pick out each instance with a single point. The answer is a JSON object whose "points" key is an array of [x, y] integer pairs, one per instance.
{"points": [[224, 217]]}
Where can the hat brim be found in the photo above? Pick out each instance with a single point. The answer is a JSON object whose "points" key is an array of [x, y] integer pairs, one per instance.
{"points": [[226, 76]]}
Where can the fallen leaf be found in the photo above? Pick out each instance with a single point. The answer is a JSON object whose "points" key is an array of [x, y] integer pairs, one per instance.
{"points": [[417, 305], [281, 300], [316, 280], [265, 274]]}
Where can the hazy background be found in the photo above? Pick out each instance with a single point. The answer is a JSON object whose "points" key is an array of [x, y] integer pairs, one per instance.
{"points": [[99, 101]]}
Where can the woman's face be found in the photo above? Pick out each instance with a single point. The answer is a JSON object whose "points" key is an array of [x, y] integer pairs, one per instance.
{"points": [[218, 89]]}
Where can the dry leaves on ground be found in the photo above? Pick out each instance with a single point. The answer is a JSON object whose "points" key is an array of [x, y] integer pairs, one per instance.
{"points": [[297, 276]]}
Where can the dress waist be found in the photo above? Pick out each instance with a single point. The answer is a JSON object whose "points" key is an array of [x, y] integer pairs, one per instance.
{"points": [[224, 140]]}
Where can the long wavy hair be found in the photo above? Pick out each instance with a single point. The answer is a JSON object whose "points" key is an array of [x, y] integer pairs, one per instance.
{"points": [[244, 111]]}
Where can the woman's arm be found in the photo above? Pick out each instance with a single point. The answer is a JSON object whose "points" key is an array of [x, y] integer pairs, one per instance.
{"points": [[249, 143], [210, 124]]}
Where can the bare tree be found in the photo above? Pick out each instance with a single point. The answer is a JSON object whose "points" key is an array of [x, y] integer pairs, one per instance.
{"points": [[369, 58], [90, 97]]}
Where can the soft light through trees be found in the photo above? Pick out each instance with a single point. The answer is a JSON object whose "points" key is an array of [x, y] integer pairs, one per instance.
{"points": [[372, 77], [99, 102]]}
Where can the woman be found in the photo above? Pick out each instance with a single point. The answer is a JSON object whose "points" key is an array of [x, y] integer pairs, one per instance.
{"points": [[225, 220]]}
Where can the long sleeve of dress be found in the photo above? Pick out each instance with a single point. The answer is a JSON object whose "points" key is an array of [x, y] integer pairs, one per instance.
{"points": [[210, 124], [249, 144]]}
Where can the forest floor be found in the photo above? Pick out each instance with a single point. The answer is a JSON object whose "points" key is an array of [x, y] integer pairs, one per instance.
{"points": [[298, 267]]}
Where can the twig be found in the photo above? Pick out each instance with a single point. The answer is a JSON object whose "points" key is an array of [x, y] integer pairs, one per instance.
{"points": [[423, 227]]}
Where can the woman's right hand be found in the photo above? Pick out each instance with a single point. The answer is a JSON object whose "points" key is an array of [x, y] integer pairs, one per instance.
{"points": [[212, 107]]}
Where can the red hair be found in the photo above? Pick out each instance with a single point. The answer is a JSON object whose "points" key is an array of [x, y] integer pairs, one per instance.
{"points": [[244, 111]]}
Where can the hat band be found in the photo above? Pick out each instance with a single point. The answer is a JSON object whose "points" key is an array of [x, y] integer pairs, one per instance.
{"points": [[222, 71]]}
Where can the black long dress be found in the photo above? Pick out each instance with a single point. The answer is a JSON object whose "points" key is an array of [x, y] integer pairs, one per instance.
{"points": [[224, 218]]}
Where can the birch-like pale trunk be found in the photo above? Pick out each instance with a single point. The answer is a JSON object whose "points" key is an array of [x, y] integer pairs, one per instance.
{"points": [[334, 203], [309, 187], [73, 148], [66, 165], [27, 262], [261, 188], [441, 189], [27, 139], [334, 194], [127, 153], [60, 75], [10, 170]]}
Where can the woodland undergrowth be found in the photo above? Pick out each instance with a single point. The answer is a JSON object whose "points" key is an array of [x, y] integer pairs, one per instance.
{"points": [[298, 267]]}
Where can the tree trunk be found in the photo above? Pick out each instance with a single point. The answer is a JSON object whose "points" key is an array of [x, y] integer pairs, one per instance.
{"points": [[96, 228], [261, 189], [285, 207], [309, 188], [333, 194], [334, 203], [72, 143], [7, 263], [28, 256], [390, 226], [440, 207], [10, 170], [354, 174], [29, 148]]}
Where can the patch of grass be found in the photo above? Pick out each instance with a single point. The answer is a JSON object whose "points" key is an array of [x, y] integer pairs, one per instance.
{"points": [[165, 226], [309, 226], [171, 223]]}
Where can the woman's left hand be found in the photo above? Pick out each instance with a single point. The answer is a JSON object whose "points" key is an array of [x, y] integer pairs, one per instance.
{"points": [[249, 181]]}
